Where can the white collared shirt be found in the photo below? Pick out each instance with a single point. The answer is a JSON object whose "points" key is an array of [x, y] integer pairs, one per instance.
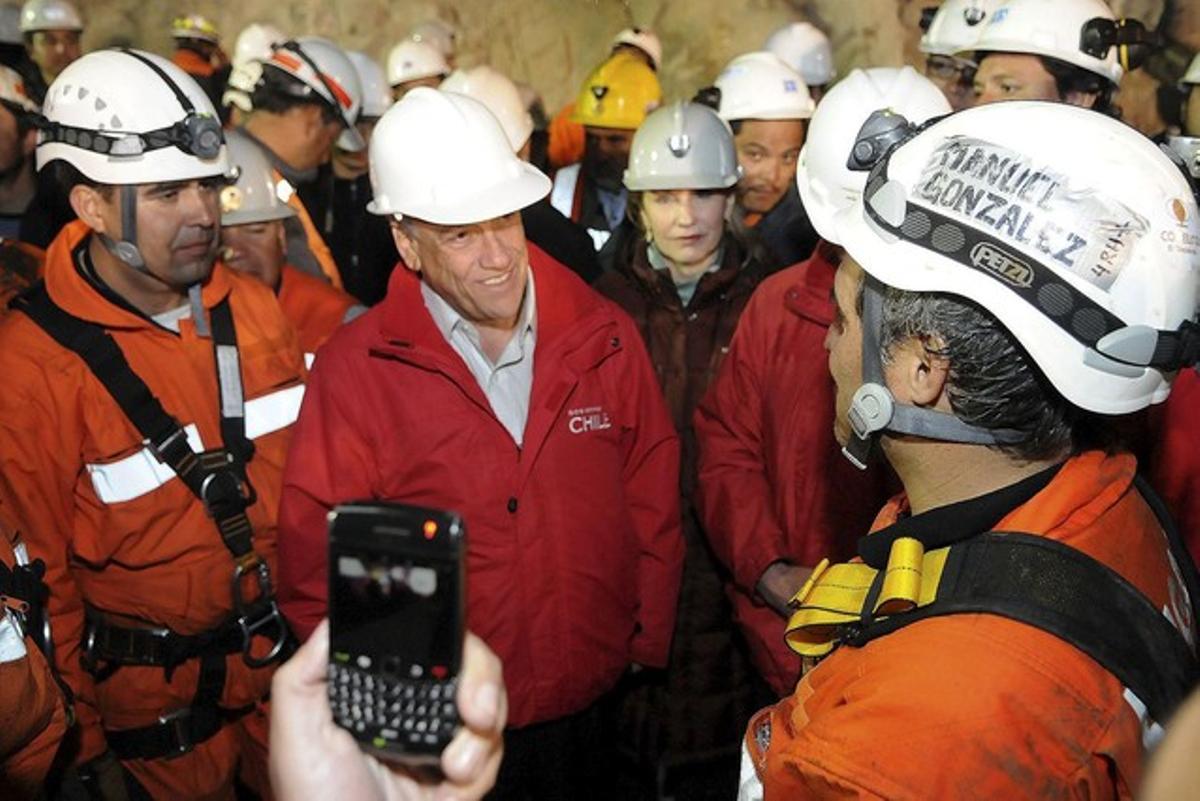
{"points": [[507, 382]]}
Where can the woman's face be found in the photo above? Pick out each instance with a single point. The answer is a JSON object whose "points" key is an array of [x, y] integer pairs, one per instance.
{"points": [[686, 225]]}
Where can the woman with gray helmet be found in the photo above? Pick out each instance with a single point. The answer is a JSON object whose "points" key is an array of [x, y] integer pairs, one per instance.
{"points": [[685, 278]]}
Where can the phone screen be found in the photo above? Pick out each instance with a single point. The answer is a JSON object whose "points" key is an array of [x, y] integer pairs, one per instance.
{"points": [[394, 613]]}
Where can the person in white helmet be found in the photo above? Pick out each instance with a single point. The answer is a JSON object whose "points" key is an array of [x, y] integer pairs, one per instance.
{"points": [[767, 104], [253, 241], [544, 225], [775, 494], [493, 381], [1032, 623], [1072, 51], [641, 42], [125, 475], [948, 30], [684, 279], [808, 51], [415, 63], [253, 46], [51, 29], [337, 199], [198, 52], [308, 97], [442, 36]]}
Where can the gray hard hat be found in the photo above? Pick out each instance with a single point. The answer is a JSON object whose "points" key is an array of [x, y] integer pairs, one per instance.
{"points": [[254, 198], [682, 146]]}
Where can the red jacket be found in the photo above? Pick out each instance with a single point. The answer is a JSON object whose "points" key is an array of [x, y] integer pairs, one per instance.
{"points": [[1174, 466], [574, 547], [773, 484]]}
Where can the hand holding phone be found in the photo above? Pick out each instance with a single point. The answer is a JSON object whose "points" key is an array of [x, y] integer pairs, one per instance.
{"points": [[311, 758], [396, 609]]}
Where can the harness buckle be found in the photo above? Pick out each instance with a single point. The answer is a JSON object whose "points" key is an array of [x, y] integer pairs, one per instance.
{"points": [[225, 494], [178, 732], [271, 625], [261, 617]]}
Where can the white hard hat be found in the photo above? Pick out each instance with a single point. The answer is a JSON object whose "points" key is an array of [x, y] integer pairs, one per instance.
{"points": [[253, 47], [759, 86], [10, 24], [826, 183], [411, 61], [253, 199], [325, 70], [955, 25], [255, 43], [50, 15], [129, 117], [443, 158], [1192, 75], [643, 39], [376, 94], [500, 95], [682, 146], [12, 91], [1061, 29], [805, 49], [1082, 244], [441, 35]]}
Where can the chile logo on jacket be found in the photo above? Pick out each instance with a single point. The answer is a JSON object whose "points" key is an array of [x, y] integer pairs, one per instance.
{"points": [[588, 418]]}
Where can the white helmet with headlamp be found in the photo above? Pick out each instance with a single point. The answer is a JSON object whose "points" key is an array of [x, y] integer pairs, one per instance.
{"points": [[1087, 256]]}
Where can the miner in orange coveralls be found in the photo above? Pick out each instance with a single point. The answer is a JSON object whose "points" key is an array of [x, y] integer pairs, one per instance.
{"points": [[254, 242], [149, 402], [1021, 619]]}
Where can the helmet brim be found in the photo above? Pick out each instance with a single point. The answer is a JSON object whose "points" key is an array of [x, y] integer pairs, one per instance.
{"points": [[527, 188]]}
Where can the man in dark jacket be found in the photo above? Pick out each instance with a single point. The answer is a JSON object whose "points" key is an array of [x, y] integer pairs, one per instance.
{"points": [[767, 105], [563, 464]]}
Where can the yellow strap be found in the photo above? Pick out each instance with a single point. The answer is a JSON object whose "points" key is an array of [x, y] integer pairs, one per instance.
{"points": [[837, 594]]}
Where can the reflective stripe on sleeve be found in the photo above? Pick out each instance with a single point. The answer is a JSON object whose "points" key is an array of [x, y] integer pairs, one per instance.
{"points": [[141, 473], [273, 411], [136, 474], [12, 644]]}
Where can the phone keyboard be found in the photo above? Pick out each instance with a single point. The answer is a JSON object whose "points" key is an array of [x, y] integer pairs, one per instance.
{"points": [[387, 712]]}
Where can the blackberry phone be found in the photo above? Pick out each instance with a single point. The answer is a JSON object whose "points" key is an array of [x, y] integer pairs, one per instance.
{"points": [[396, 615]]}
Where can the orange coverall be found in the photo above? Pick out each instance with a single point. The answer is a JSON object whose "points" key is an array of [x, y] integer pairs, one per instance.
{"points": [[118, 530], [976, 705]]}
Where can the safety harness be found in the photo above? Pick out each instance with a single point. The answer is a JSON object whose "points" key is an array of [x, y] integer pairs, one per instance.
{"points": [[217, 477], [932, 565], [23, 594]]}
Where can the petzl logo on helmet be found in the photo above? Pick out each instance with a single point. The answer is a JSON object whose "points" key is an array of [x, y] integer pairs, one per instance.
{"points": [[599, 92], [1008, 268], [973, 15]]}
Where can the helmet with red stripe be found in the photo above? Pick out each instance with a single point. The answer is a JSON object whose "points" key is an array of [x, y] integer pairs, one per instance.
{"points": [[327, 73]]}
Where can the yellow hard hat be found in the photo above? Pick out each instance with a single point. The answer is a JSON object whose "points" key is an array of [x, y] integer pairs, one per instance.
{"points": [[194, 26], [618, 94]]}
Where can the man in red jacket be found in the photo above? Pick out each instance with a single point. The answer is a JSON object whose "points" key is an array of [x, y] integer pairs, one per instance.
{"points": [[564, 464], [775, 494]]}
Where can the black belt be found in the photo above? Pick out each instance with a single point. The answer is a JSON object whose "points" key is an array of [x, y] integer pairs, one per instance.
{"points": [[178, 732]]}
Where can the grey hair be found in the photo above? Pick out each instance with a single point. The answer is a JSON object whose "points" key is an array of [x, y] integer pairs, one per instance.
{"points": [[993, 383]]}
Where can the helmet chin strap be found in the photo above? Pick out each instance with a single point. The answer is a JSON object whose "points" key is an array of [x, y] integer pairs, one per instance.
{"points": [[874, 409], [127, 251], [126, 248]]}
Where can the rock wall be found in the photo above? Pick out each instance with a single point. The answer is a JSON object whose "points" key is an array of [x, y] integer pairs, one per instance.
{"points": [[551, 44]]}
